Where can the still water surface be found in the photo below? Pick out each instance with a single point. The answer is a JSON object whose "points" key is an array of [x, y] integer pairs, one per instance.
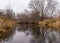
{"points": [[26, 33]]}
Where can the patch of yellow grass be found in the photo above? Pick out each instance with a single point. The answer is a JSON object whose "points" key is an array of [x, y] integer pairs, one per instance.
{"points": [[6, 23], [50, 23]]}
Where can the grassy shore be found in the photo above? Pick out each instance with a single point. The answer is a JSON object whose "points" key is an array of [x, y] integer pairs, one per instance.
{"points": [[48, 23], [6, 23]]}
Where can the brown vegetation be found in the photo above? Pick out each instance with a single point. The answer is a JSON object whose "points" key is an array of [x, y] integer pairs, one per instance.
{"points": [[4, 23], [55, 23]]}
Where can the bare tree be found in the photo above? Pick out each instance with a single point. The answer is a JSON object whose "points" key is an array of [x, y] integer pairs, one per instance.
{"points": [[44, 7], [10, 13]]}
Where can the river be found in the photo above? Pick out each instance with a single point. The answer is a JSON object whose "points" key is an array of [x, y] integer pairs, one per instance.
{"points": [[30, 33]]}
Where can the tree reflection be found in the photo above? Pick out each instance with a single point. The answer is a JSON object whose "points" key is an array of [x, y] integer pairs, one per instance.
{"points": [[38, 34], [5, 36]]}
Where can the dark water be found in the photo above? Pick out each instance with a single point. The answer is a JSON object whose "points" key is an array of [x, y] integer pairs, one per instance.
{"points": [[30, 34]]}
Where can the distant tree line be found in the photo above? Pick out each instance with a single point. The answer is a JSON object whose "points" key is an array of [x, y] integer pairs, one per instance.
{"points": [[8, 13], [40, 10]]}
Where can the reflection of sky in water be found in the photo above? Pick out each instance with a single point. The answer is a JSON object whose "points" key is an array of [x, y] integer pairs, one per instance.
{"points": [[33, 34], [20, 37]]}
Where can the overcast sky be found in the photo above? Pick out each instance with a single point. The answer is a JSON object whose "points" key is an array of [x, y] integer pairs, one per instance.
{"points": [[16, 5]]}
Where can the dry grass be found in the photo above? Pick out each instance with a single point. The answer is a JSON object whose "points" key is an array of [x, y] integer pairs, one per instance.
{"points": [[6, 23], [50, 23]]}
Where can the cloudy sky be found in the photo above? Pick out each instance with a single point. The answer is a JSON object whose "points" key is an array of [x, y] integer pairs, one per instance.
{"points": [[16, 5]]}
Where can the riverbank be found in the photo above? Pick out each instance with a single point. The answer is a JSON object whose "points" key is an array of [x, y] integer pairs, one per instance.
{"points": [[6, 23], [48, 23]]}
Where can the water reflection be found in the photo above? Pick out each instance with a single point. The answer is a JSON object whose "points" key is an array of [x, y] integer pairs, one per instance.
{"points": [[26, 33], [5, 36]]}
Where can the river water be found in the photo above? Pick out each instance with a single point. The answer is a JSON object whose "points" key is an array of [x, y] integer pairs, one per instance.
{"points": [[26, 33]]}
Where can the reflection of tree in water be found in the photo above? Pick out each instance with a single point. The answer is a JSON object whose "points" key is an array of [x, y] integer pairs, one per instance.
{"points": [[40, 35], [33, 30], [5, 36]]}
